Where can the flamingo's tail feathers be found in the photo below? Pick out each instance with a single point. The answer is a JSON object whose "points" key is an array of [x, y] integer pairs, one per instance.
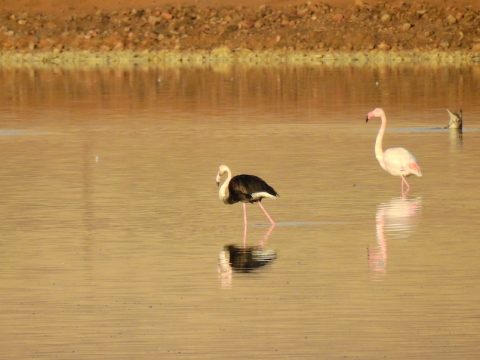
{"points": [[416, 169]]}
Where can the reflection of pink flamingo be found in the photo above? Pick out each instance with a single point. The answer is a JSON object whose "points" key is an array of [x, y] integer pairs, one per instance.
{"points": [[397, 218], [396, 161], [377, 256]]}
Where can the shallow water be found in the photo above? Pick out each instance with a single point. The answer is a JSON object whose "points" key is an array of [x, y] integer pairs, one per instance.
{"points": [[114, 242]]}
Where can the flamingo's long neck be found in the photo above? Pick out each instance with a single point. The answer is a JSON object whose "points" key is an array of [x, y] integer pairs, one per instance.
{"points": [[222, 192], [378, 142]]}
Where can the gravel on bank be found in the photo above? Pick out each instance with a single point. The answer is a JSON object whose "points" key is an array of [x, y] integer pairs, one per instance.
{"points": [[312, 32]]}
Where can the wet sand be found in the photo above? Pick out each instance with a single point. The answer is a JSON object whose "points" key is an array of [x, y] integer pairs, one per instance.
{"points": [[197, 32]]}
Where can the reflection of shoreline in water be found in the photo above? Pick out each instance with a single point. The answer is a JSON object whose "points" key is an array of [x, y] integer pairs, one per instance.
{"points": [[395, 218], [244, 259]]}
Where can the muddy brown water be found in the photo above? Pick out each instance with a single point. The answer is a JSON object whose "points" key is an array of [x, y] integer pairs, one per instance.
{"points": [[113, 237]]}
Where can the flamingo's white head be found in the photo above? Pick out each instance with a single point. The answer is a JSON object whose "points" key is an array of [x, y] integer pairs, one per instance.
{"points": [[222, 169], [378, 112]]}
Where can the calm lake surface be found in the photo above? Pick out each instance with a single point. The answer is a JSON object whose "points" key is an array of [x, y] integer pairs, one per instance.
{"points": [[114, 243]]}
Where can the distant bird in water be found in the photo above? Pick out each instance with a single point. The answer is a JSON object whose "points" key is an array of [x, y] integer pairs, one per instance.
{"points": [[396, 161], [455, 121], [245, 189]]}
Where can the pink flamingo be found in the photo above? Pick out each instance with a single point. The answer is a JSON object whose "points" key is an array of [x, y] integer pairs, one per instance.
{"points": [[396, 161]]}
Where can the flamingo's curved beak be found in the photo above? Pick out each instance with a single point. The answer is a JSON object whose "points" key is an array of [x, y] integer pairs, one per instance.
{"points": [[366, 119], [217, 179]]}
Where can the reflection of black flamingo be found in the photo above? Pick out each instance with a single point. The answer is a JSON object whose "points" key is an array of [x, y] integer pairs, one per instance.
{"points": [[244, 258], [248, 258]]}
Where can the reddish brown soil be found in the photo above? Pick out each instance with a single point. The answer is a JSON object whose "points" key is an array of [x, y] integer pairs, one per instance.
{"points": [[46, 25]]}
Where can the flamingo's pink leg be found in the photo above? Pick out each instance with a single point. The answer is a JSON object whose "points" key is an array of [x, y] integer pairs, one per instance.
{"points": [[267, 235], [244, 214], [244, 224], [404, 181], [266, 213]]}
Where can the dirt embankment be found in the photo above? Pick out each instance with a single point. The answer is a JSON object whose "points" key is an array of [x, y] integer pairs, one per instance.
{"points": [[288, 26]]}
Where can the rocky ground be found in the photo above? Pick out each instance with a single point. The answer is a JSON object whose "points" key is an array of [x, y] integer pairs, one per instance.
{"points": [[312, 26]]}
